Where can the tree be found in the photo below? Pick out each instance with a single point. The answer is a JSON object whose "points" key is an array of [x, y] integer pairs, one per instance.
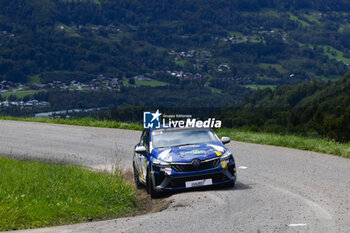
{"points": [[16, 76]]}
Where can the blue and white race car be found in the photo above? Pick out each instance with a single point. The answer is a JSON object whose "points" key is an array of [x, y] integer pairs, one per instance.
{"points": [[181, 158]]}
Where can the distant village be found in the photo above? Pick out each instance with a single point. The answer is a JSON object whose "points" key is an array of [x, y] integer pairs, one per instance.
{"points": [[100, 83], [23, 104]]}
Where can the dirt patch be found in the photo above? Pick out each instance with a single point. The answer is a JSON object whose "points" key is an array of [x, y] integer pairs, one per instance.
{"points": [[147, 204]]}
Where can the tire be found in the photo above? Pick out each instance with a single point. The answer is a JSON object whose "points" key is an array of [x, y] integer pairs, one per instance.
{"points": [[231, 184], [136, 178], [150, 189]]}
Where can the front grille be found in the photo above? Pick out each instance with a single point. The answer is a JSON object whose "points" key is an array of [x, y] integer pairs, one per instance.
{"points": [[189, 167]]}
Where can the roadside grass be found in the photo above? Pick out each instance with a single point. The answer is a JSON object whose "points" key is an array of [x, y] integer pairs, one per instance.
{"points": [[80, 122], [35, 194], [291, 141]]}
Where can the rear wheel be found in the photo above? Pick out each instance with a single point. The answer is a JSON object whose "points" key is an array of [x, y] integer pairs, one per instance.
{"points": [[150, 189], [136, 178]]}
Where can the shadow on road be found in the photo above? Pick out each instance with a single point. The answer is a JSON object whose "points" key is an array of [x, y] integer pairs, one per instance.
{"points": [[238, 186]]}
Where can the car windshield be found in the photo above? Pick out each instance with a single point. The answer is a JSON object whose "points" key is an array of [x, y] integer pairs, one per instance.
{"points": [[177, 137]]}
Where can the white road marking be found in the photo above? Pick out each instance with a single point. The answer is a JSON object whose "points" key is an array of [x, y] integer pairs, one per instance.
{"points": [[297, 224], [242, 167]]}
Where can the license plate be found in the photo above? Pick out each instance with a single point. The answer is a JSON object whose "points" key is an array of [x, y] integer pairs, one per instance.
{"points": [[198, 183]]}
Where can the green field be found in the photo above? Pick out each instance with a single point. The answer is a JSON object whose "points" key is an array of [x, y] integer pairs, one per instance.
{"points": [[335, 54], [295, 18], [278, 67], [329, 78], [257, 87], [19, 94], [292, 141], [152, 83], [180, 62], [35, 194]]}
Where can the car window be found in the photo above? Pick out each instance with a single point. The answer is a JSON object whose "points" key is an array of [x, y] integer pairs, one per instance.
{"points": [[168, 138], [142, 135], [145, 139]]}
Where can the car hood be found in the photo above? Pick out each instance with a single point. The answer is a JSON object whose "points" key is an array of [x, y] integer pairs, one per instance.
{"points": [[189, 152]]}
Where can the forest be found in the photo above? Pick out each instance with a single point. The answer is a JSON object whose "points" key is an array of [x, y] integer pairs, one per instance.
{"points": [[259, 42], [264, 65]]}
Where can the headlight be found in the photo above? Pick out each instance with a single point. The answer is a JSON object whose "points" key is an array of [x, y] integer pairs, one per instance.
{"points": [[226, 156], [160, 162]]}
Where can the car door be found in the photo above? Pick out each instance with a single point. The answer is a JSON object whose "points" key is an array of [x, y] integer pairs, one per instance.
{"points": [[142, 158]]}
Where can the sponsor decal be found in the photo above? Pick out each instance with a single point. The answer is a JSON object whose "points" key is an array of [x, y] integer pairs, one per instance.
{"points": [[167, 170], [152, 120], [165, 155], [218, 148], [192, 152], [218, 153], [224, 163]]}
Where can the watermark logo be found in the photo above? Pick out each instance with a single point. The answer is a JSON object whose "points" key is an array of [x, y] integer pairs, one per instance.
{"points": [[151, 120]]}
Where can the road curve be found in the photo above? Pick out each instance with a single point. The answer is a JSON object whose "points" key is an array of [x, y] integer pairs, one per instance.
{"points": [[278, 189]]}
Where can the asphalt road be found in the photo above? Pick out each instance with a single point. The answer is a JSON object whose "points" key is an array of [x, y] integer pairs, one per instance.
{"points": [[278, 189]]}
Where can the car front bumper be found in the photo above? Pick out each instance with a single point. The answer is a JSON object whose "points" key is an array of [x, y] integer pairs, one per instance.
{"points": [[224, 173]]}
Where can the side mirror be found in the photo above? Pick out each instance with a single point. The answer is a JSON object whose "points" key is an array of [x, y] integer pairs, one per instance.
{"points": [[140, 149], [225, 140]]}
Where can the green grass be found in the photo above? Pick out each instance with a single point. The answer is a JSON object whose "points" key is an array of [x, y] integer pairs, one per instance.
{"points": [[333, 53], [152, 83], [34, 79], [35, 194], [19, 94], [311, 18], [213, 89], [329, 78], [81, 122], [235, 33], [291, 141], [180, 62], [278, 67], [68, 30], [256, 87], [295, 18]]}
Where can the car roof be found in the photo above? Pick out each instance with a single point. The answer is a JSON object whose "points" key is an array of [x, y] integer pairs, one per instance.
{"points": [[178, 128]]}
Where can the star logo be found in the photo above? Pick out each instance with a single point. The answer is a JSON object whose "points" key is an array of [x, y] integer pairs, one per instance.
{"points": [[156, 115], [151, 120]]}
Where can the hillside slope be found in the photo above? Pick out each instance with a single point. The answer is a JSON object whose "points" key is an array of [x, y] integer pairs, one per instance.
{"points": [[226, 42], [313, 108]]}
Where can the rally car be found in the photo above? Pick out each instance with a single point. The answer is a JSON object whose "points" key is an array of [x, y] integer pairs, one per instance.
{"points": [[182, 158]]}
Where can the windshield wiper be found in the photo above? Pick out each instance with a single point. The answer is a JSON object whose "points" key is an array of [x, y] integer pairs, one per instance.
{"points": [[187, 144]]}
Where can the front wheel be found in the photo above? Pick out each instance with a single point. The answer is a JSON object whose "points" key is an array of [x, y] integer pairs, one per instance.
{"points": [[150, 189], [136, 178]]}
